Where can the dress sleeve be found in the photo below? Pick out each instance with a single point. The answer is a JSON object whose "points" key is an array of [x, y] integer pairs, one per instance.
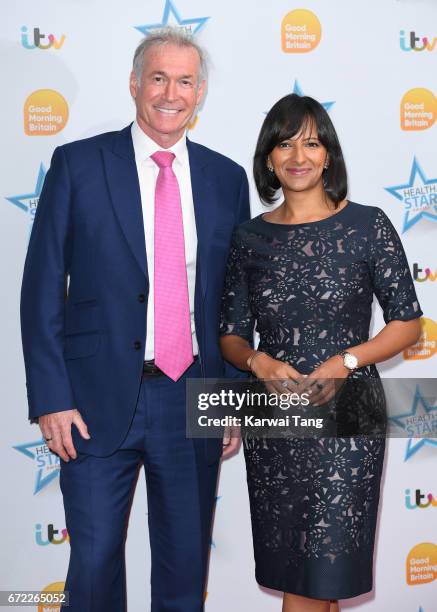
{"points": [[391, 277], [236, 316]]}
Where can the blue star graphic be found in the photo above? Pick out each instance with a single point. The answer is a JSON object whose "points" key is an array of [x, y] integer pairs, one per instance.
{"points": [[297, 89], [171, 17], [410, 193], [25, 201], [46, 461], [420, 404]]}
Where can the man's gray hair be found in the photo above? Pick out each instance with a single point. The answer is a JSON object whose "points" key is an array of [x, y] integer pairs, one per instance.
{"points": [[169, 36]]}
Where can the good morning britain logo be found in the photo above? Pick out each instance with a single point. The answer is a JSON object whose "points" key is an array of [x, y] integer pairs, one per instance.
{"points": [[45, 113], [54, 597], [421, 564], [418, 109], [301, 31], [426, 346]]}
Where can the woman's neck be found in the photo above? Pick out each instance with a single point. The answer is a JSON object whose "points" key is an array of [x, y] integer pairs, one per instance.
{"points": [[301, 207]]}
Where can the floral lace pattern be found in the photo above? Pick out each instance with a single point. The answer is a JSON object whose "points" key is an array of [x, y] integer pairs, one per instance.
{"points": [[308, 289], [313, 498]]}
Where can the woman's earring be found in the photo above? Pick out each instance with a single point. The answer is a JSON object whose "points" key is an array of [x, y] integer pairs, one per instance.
{"points": [[270, 167], [326, 166]]}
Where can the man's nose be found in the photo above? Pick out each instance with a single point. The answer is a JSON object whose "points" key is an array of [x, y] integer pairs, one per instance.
{"points": [[171, 90]]}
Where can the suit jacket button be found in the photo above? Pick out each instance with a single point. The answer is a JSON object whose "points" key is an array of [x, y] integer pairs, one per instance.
{"points": [[137, 345], [141, 298]]}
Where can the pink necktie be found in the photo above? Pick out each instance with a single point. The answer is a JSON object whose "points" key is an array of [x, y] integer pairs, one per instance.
{"points": [[173, 341]]}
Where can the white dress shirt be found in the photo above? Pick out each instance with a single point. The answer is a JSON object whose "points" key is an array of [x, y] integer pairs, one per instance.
{"points": [[148, 171]]}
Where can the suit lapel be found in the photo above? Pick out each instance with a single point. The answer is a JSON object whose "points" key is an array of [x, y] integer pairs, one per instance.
{"points": [[205, 208], [124, 188]]}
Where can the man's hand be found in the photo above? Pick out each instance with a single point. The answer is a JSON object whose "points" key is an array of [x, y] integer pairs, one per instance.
{"points": [[231, 441], [56, 430]]}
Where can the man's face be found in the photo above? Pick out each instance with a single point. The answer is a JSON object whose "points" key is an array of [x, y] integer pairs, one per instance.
{"points": [[168, 93]]}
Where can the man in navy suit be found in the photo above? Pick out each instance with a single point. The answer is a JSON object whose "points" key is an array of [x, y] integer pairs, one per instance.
{"points": [[92, 320]]}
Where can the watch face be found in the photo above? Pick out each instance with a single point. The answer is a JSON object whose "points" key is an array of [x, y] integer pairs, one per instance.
{"points": [[350, 361]]}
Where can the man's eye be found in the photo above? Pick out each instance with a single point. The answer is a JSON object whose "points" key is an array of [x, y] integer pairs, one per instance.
{"points": [[186, 83], [158, 79]]}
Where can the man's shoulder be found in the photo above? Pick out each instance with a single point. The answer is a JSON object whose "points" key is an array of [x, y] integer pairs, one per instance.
{"points": [[85, 155], [207, 155], [92, 142]]}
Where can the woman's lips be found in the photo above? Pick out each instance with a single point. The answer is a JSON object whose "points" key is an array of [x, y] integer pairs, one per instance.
{"points": [[298, 171]]}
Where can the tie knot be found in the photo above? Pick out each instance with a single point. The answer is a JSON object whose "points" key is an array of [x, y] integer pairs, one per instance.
{"points": [[163, 159]]}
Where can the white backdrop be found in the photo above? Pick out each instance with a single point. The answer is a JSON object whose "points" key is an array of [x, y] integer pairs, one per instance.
{"points": [[367, 57]]}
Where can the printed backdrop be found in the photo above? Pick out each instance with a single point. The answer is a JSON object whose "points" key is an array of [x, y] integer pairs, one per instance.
{"points": [[372, 64]]}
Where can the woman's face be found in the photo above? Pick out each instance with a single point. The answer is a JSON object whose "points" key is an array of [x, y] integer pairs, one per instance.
{"points": [[299, 161]]}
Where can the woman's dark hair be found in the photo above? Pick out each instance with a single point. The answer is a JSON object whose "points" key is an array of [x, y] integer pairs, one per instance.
{"points": [[287, 118]]}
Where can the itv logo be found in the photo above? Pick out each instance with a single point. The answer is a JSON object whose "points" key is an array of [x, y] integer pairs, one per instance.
{"points": [[38, 37], [417, 499], [51, 537], [423, 274], [411, 42]]}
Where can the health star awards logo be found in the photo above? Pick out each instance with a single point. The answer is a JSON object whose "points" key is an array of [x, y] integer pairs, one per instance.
{"points": [[28, 202], [171, 17], [419, 197], [420, 423], [47, 464]]}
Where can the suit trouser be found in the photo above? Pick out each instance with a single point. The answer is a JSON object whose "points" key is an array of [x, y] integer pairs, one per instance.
{"points": [[180, 484]]}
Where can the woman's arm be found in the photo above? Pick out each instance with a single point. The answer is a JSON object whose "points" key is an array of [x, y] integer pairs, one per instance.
{"points": [[390, 341], [238, 351]]}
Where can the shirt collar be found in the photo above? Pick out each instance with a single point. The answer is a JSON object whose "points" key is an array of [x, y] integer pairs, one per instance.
{"points": [[144, 146]]}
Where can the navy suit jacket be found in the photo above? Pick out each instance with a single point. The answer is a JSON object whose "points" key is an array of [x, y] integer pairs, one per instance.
{"points": [[85, 282]]}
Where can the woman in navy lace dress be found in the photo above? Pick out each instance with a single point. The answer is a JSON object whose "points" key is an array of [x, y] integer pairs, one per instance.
{"points": [[304, 275]]}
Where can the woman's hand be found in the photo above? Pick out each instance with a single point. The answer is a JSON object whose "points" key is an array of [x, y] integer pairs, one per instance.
{"points": [[279, 377], [326, 380]]}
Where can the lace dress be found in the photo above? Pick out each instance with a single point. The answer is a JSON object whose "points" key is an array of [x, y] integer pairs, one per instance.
{"points": [[308, 290]]}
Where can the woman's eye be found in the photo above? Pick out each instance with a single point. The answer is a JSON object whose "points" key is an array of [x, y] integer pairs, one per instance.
{"points": [[284, 145], [313, 144]]}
